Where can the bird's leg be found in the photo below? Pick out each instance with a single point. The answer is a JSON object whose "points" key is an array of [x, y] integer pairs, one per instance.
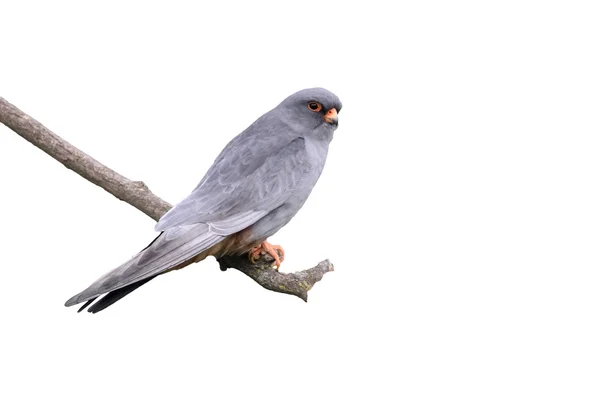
{"points": [[271, 249]]}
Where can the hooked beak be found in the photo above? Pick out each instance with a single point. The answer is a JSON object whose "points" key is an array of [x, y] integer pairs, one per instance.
{"points": [[331, 117]]}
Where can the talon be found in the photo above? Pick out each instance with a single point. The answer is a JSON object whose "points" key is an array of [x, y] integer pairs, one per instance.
{"points": [[255, 253]]}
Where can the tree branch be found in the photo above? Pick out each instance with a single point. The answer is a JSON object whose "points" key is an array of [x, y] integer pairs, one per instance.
{"points": [[135, 193], [138, 195]]}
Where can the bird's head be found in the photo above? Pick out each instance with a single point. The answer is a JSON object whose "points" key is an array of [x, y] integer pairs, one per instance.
{"points": [[314, 112]]}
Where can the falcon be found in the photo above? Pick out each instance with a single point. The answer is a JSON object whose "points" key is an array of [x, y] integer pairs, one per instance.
{"points": [[254, 187]]}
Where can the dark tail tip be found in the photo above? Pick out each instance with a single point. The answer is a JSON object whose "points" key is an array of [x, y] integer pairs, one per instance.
{"points": [[87, 303], [116, 295]]}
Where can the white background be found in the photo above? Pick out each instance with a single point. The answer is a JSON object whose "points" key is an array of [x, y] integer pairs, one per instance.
{"points": [[460, 203]]}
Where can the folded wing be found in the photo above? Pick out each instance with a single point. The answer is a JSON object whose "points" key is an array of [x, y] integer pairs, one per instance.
{"points": [[168, 250]]}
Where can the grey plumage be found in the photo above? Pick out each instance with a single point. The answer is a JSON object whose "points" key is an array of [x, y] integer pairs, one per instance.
{"points": [[255, 186]]}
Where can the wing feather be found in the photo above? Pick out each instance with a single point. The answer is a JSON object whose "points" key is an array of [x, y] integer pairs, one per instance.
{"points": [[250, 175], [170, 249]]}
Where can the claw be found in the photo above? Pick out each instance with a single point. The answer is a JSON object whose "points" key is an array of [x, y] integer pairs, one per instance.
{"points": [[269, 248]]}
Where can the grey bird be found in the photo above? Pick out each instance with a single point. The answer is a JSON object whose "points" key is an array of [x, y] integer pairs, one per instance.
{"points": [[254, 187]]}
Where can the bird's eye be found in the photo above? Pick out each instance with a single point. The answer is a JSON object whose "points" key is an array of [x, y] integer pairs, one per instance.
{"points": [[314, 106]]}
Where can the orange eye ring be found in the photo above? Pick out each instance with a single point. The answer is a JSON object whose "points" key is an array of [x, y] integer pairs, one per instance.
{"points": [[314, 106]]}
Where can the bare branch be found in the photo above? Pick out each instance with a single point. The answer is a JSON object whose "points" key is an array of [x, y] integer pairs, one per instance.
{"points": [[138, 195], [297, 283], [135, 193]]}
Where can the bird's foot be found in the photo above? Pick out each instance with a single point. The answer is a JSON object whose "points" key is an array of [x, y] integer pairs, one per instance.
{"points": [[272, 249]]}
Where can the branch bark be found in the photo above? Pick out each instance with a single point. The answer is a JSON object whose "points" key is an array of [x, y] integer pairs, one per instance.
{"points": [[137, 194]]}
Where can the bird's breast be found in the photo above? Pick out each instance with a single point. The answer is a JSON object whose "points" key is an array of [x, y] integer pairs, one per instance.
{"points": [[316, 151]]}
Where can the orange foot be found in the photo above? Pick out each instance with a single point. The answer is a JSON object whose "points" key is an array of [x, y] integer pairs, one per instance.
{"points": [[255, 253]]}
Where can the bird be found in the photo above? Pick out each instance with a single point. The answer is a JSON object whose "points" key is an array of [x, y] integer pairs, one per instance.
{"points": [[255, 186]]}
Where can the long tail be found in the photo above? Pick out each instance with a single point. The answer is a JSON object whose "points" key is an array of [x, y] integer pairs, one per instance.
{"points": [[172, 249], [112, 297]]}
